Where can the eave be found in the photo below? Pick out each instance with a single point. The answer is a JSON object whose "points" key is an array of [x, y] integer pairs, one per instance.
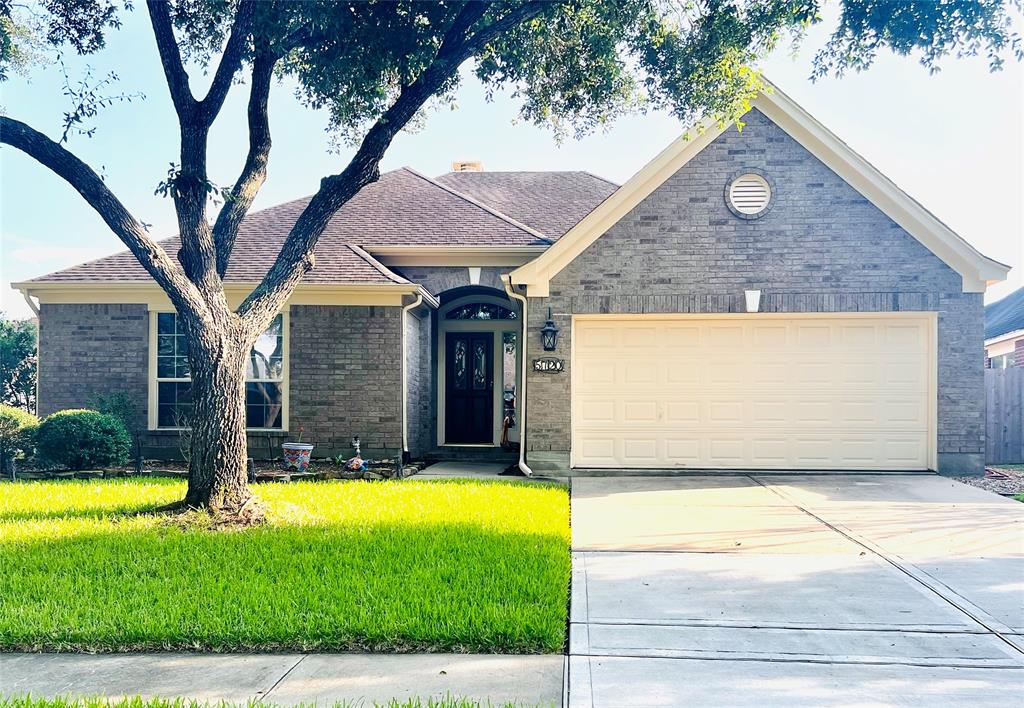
{"points": [[151, 295]]}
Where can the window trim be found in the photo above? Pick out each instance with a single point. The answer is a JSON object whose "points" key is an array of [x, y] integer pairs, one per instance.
{"points": [[153, 398]]}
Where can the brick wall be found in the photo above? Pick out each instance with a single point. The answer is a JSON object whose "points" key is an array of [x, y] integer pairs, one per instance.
{"points": [[821, 248], [345, 377], [344, 373], [92, 349], [437, 279], [420, 373]]}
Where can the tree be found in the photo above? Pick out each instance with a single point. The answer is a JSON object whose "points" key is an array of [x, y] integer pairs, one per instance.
{"points": [[18, 363], [375, 66]]}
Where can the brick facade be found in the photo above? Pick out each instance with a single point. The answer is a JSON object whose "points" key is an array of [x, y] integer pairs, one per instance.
{"points": [[421, 381], [344, 373], [438, 279], [90, 350], [821, 248], [345, 377]]}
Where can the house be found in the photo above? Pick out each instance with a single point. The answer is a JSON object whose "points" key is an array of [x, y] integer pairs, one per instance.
{"points": [[762, 298], [1004, 331]]}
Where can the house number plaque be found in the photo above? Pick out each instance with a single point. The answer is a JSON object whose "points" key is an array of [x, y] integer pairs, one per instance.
{"points": [[548, 365]]}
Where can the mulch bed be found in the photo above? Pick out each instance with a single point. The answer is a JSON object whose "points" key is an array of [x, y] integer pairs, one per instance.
{"points": [[1008, 482], [265, 471]]}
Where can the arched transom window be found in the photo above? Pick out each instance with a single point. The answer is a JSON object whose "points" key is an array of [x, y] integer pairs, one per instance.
{"points": [[480, 311]]}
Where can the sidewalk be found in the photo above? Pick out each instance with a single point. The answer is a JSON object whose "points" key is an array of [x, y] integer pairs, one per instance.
{"points": [[286, 679]]}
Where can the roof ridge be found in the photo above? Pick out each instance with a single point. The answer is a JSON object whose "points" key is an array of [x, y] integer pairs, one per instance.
{"points": [[381, 268], [599, 177], [480, 205]]}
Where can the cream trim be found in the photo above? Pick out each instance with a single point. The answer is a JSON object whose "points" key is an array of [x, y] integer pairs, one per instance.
{"points": [[455, 255], [1006, 336], [152, 399], [497, 328], [151, 295], [976, 269]]}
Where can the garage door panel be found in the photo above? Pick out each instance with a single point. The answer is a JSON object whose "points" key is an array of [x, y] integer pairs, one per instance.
{"points": [[810, 393]]}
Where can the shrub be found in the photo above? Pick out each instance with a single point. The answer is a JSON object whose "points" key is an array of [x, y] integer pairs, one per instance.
{"points": [[17, 434], [81, 439], [120, 404]]}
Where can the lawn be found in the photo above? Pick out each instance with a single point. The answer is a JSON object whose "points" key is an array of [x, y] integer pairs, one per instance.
{"points": [[32, 702], [406, 565]]}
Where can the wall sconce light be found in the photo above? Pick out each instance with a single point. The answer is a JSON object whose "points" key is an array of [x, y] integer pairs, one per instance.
{"points": [[753, 298], [549, 334]]}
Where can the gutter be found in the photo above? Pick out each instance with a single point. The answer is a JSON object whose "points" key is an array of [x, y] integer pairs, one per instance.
{"points": [[506, 279], [406, 310]]}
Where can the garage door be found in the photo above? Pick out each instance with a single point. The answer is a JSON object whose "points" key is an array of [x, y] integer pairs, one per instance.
{"points": [[756, 392]]}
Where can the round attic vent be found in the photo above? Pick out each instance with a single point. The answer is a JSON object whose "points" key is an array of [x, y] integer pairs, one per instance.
{"points": [[748, 195]]}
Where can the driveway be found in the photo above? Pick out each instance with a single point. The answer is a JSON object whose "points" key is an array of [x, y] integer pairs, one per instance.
{"points": [[795, 590]]}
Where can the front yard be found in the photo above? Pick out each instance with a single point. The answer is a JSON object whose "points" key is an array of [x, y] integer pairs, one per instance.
{"points": [[433, 565]]}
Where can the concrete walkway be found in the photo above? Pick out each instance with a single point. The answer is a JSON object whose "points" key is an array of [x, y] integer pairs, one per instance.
{"points": [[776, 590], [288, 679]]}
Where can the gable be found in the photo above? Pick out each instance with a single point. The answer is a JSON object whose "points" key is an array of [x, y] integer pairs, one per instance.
{"points": [[819, 233], [777, 110]]}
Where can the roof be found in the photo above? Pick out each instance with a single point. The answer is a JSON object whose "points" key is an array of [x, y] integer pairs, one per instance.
{"points": [[402, 208], [975, 269], [348, 264], [1005, 316], [550, 202]]}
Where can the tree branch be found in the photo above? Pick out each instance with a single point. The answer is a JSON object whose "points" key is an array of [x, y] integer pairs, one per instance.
{"points": [[170, 57], [126, 227], [230, 62], [296, 256], [254, 172]]}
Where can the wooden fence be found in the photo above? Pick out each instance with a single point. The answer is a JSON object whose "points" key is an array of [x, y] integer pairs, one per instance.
{"points": [[1004, 415]]}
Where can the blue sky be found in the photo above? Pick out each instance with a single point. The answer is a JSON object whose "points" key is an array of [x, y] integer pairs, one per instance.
{"points": [[954, 141]]}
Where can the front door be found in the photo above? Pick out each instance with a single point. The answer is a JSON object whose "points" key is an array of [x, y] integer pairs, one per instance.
{"points": [[469, 388]]}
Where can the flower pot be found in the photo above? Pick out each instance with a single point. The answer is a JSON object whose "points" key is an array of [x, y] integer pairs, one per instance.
{"points": [[296, 455]]}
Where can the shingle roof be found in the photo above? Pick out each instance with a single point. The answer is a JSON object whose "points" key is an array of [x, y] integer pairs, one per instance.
{"points": [[1006, 315], [551, 202], [403, 208], [348, 264]]}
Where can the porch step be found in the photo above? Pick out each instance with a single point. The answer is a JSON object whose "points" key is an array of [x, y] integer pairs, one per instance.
{"points": [[473, 454]]}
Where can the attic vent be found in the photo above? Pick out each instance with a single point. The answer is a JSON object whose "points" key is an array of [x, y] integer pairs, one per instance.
{"points": [[748, 195], [467, 166]]}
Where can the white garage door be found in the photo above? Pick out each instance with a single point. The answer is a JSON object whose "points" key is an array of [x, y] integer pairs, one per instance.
{"points": [[761, 391]]}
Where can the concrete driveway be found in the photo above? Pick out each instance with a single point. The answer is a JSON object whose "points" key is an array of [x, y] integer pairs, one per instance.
{"points": [[795, 590]]}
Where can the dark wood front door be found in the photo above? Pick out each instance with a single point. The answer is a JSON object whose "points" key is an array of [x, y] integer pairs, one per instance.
{"points": [[469, 388]]}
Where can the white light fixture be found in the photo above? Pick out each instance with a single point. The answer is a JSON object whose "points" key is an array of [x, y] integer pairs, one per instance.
{"points": [[753, 300]]}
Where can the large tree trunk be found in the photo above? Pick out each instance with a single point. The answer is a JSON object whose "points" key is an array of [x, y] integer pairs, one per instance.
{"points": [[217, 478]]}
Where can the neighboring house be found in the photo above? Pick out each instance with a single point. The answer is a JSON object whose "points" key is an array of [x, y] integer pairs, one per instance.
{"points": [[1004, 331], [760, 298]]}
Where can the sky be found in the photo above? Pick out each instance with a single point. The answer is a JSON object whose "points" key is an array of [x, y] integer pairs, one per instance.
{"points": [[953, 140]]}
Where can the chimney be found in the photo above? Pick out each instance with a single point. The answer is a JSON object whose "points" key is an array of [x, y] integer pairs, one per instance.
{"points": [[467, 166]]}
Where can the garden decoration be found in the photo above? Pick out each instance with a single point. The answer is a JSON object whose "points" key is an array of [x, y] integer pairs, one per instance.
{"points": [[296, 454]]}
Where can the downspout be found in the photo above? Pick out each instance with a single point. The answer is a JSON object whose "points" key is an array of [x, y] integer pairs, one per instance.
{"points": [[405, 378], [31, 302], [39, 323], [523, 467]]}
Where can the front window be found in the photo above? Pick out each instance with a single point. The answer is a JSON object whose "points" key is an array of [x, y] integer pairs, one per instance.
{"points": [[264, 376]]}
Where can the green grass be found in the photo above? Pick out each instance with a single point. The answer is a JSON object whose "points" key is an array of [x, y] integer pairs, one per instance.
{"points": [[30, 702], [435, 565], [137, 702], [1019, 497]]}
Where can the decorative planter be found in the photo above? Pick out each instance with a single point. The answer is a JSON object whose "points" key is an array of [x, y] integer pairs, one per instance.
{"points": [[296, 455]]}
